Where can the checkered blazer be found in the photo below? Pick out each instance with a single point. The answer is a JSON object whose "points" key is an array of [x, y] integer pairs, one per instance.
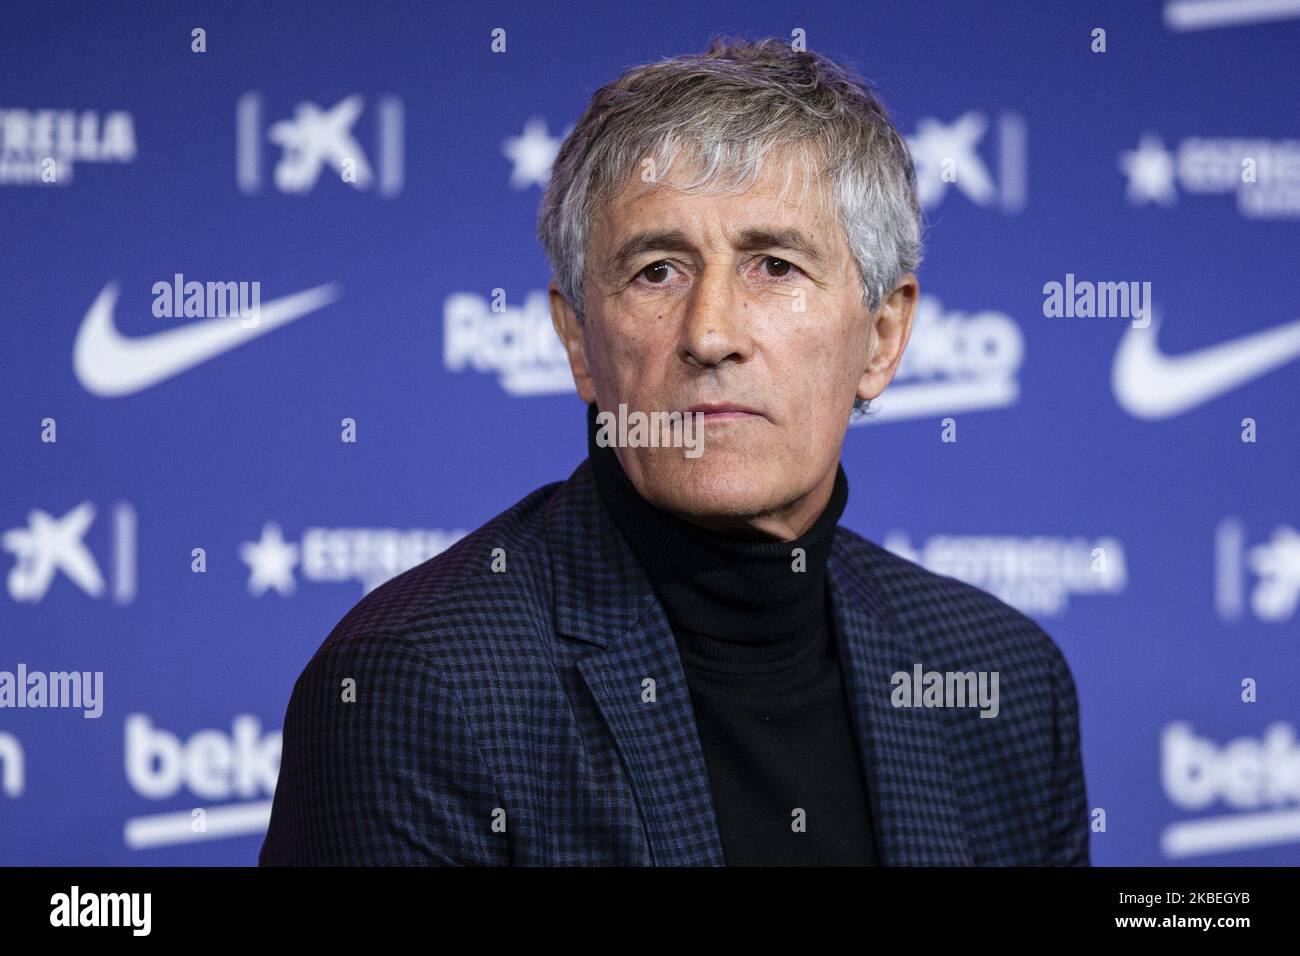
{"points": [[463, 713]]}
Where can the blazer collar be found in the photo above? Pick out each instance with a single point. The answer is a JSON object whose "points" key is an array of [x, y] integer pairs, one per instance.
{"points": [[603, 598]]}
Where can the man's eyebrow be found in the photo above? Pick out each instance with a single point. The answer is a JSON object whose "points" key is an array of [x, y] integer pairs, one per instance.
{"points": [[782, 238], [657, 240], [672, 240]]}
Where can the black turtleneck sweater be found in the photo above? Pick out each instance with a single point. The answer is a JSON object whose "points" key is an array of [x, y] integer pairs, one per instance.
{"points": [[757, 642]]}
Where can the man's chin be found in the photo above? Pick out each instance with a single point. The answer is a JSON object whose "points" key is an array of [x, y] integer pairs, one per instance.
{"points": [[711, 499]]}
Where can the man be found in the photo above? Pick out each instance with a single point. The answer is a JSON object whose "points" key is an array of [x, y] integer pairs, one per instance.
{"points": [[678, 657]]}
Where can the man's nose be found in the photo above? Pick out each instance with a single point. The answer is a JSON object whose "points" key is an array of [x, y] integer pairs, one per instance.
{"points": [[714, 327]]}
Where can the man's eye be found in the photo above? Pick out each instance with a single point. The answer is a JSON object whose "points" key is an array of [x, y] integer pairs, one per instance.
{"points": [[778, 268], [656, 273]]}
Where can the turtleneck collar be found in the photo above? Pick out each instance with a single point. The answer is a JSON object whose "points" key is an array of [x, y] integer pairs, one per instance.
{"points": [[729, 599]]}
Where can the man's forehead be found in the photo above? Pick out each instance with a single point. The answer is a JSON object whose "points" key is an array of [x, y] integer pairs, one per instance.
{"points": [[770, 206]]}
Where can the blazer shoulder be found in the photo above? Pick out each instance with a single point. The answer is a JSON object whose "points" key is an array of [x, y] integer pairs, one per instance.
{"points": [[483, 579], [944, 614], [1019, 777]]}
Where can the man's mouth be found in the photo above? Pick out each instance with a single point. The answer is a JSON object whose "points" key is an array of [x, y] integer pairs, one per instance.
{"points": [[722, 411]]}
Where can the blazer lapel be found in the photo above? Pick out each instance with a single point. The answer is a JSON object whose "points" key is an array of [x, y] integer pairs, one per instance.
{"points": [[657, 739], [914, 807], [603, 599]]}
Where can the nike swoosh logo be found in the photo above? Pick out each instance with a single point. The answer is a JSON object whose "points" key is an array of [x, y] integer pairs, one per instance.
{"points": [[1151, 385], [111, 364]]}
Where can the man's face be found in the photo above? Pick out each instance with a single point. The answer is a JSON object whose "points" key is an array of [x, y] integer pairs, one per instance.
{"points": [[752, 299]]}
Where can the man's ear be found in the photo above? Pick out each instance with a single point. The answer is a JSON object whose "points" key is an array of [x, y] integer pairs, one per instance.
{"points": [[565, 321], [891, 328]]}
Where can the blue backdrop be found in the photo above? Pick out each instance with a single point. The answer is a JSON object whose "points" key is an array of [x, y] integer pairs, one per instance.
{"points": [[376, 170]]}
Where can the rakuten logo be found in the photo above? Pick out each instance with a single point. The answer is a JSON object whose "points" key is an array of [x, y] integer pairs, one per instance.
{"points": [[212, 765], [517, 342]]}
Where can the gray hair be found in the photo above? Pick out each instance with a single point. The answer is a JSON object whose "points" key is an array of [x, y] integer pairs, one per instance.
{"points": [[724, 110]]}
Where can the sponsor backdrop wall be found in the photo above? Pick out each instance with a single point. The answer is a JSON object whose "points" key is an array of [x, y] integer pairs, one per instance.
{"points": [[192, 502]]}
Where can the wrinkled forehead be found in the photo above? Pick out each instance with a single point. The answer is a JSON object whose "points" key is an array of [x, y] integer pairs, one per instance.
{"points": [[786, 183]]}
